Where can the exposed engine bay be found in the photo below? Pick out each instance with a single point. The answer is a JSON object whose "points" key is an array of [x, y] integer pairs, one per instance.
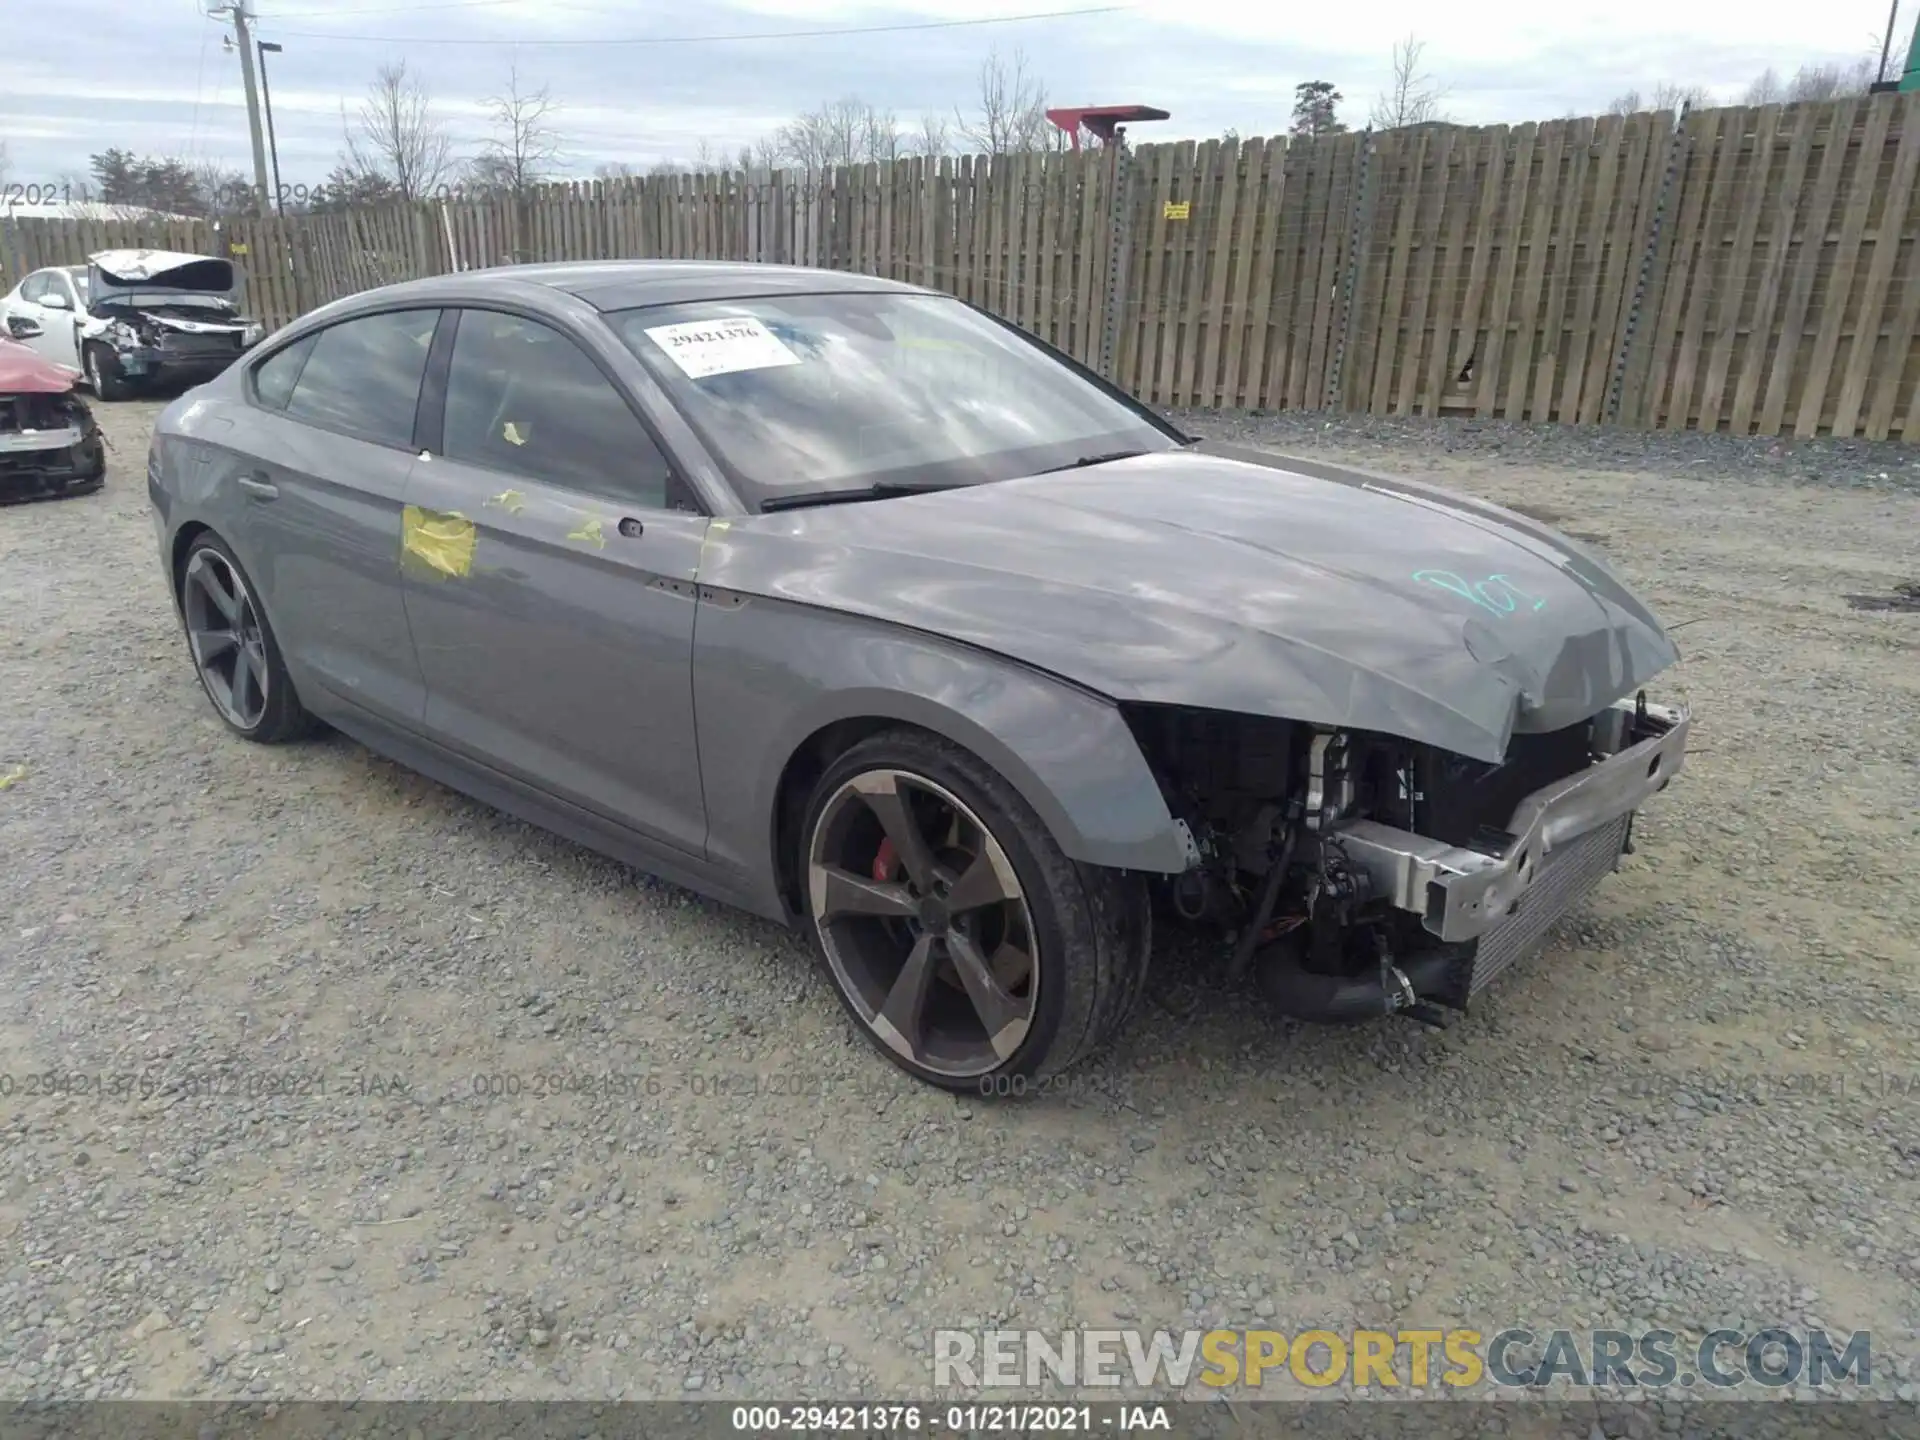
{"points": [[49, 442], [1362, 874]]}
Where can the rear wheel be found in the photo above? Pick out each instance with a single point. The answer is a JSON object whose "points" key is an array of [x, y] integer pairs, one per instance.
{"points": [[234, 651], [968, 947]]}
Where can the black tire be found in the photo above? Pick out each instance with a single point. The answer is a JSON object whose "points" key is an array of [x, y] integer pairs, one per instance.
{"points": [[281, 718], [1091, 928], [104, 374]]}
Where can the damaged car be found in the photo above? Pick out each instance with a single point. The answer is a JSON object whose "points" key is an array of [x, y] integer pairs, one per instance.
{"points": [[130, 319], [847, 603], [49, 443]]}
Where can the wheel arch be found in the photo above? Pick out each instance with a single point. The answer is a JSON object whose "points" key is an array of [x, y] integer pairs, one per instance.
{"points": [[1094, 793], [183, 539]]}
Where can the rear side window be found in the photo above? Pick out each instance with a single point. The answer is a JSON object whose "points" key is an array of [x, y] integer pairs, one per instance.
{"points": [[34, 288], [525, 399], [363, 376], [274, 377]]}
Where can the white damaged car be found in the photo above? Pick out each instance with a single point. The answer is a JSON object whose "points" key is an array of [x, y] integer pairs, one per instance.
{"points": [[130, 318]]}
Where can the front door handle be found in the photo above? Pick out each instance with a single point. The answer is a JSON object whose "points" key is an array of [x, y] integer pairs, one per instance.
{"points": [[258, 488]]}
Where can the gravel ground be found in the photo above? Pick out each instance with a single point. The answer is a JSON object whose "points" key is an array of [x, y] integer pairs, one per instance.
{"points": [[364, 1172]]}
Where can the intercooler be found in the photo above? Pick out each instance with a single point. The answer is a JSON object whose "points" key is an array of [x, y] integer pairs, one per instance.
{"points": [[192, 346], [1569, 874]]}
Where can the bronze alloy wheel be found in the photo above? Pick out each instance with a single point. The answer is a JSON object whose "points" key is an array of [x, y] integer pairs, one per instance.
{"points": [[924, 923]]}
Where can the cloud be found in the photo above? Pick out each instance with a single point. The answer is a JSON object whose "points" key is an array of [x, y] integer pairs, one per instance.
{"points": [[154, 78]]}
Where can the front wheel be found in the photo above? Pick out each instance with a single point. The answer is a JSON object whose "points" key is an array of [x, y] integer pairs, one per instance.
{"points": [[967, 946], [104, 375]]}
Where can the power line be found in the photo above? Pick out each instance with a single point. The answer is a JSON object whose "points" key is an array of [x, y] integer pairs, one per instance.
{"points": [[437, 5], [701, 39]]}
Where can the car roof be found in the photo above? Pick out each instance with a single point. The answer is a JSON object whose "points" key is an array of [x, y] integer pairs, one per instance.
{"points": [[630, 284]]}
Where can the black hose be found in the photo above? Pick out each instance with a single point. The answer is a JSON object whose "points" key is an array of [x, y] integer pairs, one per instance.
{"points": [[1263, 913], [1300, 994]]}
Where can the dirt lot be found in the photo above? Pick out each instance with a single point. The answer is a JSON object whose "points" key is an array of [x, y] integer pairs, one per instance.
{"points": [[369, 1167]]}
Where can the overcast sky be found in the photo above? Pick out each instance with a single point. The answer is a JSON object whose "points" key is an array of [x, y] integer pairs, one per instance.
{"points": [[151, 76]]}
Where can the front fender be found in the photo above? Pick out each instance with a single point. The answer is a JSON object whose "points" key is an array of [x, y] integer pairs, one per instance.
{"points": [[769, 675]]}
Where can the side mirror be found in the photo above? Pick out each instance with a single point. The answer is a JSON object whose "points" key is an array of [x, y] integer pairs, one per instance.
{"points": [[57, 300], [21, 328]]}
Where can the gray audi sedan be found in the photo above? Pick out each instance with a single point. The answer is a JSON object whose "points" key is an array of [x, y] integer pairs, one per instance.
{"points": [[846, 603]]}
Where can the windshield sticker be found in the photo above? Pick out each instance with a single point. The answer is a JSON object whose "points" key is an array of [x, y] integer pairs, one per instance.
{"points": [[1503, 598], [721, 347]]}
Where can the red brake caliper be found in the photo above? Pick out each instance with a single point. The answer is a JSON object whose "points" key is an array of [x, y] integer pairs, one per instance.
{"points": [[883, 860]]}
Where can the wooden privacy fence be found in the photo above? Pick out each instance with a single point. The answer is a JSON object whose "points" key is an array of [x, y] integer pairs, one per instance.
{"points": [[1746, 269]]}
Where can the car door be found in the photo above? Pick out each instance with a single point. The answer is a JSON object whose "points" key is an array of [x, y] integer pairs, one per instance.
{"points": [[550, 581], [316, 483], [61, 316], [42, 320]]}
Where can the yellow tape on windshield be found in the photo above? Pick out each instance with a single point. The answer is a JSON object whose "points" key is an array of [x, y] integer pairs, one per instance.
{"points": [[444, 543]]}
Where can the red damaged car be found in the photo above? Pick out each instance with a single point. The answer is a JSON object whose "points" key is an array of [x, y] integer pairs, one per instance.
{"points": [[49, 441]]}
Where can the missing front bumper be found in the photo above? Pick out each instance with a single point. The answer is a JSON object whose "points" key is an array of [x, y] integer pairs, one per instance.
{"points": [[1463, 894]]}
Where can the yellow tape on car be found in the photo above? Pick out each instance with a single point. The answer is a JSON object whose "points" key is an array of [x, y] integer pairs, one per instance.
{"points": [[443, 543]]}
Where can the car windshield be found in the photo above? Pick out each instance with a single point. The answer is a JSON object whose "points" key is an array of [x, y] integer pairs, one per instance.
{"points": [[805, 394], [79, 278]]}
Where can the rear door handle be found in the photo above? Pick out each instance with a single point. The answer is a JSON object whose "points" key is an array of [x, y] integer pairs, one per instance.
{"points": [[258, 488]]}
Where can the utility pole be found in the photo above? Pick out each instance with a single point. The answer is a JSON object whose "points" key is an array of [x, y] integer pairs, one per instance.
{"points": [[243, 41]]}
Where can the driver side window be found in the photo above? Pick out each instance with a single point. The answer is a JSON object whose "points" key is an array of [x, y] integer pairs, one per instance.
{"points": [[524, 399], [34, 288]]}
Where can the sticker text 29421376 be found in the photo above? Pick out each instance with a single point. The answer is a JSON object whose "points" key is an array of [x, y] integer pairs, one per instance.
{"points": [[720, 347]]}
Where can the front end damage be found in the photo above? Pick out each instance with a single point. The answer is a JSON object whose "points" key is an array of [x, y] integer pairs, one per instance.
{"points": [[50, 444], [1364, 875], [166, 316]]}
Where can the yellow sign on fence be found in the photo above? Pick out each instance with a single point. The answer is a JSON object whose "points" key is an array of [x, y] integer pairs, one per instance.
{"points": [[1177, 209]]}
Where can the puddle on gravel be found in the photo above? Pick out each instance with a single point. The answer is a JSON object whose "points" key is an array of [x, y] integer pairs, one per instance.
{"points": [[1905, 597]]}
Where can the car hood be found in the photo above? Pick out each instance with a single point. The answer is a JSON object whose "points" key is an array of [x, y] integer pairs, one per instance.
{"points": [[24, 371], [203, 282], [1240, 581]]}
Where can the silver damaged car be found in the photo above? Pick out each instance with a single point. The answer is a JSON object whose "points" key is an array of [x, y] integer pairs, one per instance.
{"points": [[848, 604]]}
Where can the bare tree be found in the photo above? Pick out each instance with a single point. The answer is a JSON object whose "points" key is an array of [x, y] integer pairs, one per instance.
{"points": [[1412, 98], [397, 136], [524, 148], [1012, 108], [615, 170], [847, 131], [1667, 95], [1831, 82], [766, 154], [4, 166], [934, 137], [1765, 89]]}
